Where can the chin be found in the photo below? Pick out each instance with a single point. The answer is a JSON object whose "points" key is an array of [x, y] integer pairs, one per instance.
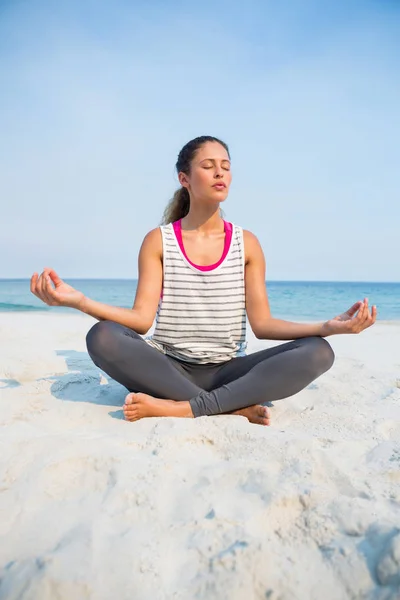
{"points": [[214, 200], [220, 195]]}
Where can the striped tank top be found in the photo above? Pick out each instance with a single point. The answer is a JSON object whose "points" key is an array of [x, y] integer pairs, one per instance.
{"points": [[201, 316]]}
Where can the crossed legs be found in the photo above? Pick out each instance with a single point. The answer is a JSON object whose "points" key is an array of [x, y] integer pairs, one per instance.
{"points": [[162, 386]]}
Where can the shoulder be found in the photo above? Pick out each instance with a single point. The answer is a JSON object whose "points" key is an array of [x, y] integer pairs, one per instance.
{"points": [[249, 238], [152, 241], [252, 247]]}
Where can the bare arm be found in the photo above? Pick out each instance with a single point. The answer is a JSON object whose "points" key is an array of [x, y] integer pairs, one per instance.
{"points": [[262, 323], [357, 318], [140, 317]]}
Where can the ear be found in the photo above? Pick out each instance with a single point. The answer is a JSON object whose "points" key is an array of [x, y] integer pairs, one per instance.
{"points": [[183, 179]]}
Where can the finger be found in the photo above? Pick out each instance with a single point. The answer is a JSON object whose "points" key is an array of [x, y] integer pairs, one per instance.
{"points": [[34, 279], [353, 309], [359, 316], [365, 309], [48, 290], [371, 317], [366, 312], [374, 314], [358, 321], [51, 292], [39, 286], [43, 286], [42, 292], [55, 278]]}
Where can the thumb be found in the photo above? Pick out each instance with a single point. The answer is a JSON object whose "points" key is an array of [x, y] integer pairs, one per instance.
{"points": [[54, 277]]}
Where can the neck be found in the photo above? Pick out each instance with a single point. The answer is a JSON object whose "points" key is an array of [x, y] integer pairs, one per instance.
{"points": [[203, 219]]}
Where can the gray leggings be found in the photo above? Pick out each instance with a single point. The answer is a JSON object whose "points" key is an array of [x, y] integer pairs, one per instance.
{"points": [[211, 389]]}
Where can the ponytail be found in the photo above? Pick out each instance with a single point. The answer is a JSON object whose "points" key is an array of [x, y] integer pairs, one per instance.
{"points": [[178, 207]]}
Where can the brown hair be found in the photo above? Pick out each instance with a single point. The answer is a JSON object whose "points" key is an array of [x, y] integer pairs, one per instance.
{"points": [[178, 207]]}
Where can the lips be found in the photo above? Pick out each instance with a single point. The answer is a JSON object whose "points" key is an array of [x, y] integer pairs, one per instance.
{"points": [[219, 186]]}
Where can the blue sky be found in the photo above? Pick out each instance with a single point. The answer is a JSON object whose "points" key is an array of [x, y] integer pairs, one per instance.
{"points": [[97, 98]]}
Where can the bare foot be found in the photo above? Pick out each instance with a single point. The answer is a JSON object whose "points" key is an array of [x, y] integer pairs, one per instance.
{"points": [[255, 414], [138, 405]]}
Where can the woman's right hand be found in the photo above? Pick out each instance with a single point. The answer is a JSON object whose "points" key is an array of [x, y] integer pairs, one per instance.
{"points": [[60, 295]]}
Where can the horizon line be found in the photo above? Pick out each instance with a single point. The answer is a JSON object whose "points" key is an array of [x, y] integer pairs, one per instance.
{"points": [[266, 281]]}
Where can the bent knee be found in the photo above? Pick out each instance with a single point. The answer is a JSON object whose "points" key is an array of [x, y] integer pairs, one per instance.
{"points": [[321, 354], [98, 338]]}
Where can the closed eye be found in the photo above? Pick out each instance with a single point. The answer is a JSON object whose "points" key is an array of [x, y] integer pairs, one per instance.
{"points": [[210, 167]]}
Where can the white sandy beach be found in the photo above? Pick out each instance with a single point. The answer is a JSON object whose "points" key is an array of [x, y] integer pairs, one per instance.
{"points": [[93, 507]]}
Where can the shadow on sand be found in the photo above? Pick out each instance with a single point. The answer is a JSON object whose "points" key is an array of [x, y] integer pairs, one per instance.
{"points": [[84, 382]]}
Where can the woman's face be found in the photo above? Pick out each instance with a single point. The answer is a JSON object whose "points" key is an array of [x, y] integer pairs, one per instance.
{"points": [[210, 173]]}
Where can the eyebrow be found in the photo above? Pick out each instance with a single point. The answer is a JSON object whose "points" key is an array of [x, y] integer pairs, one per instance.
{"points": [[214, 159]]}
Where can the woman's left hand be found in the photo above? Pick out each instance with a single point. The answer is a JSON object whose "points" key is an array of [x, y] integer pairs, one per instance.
{"points": [[354, 320]]}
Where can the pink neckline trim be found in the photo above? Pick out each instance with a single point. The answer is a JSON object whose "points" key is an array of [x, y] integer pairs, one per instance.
{"points": [[228, 238]]}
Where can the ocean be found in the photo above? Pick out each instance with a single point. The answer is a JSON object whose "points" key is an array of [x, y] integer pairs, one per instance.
{"points": [[301, 300]]}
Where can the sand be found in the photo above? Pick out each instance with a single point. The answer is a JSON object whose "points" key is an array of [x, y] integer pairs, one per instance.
{"points": [[96, 507]]}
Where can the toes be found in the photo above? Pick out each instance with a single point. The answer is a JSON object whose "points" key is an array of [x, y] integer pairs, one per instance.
{"points": [[131, 416], [264, 415], [265, 412], [130, 412], [129, 399]]}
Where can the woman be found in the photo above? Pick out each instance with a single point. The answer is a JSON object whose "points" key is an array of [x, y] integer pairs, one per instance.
{"points": [[200, 275]]}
